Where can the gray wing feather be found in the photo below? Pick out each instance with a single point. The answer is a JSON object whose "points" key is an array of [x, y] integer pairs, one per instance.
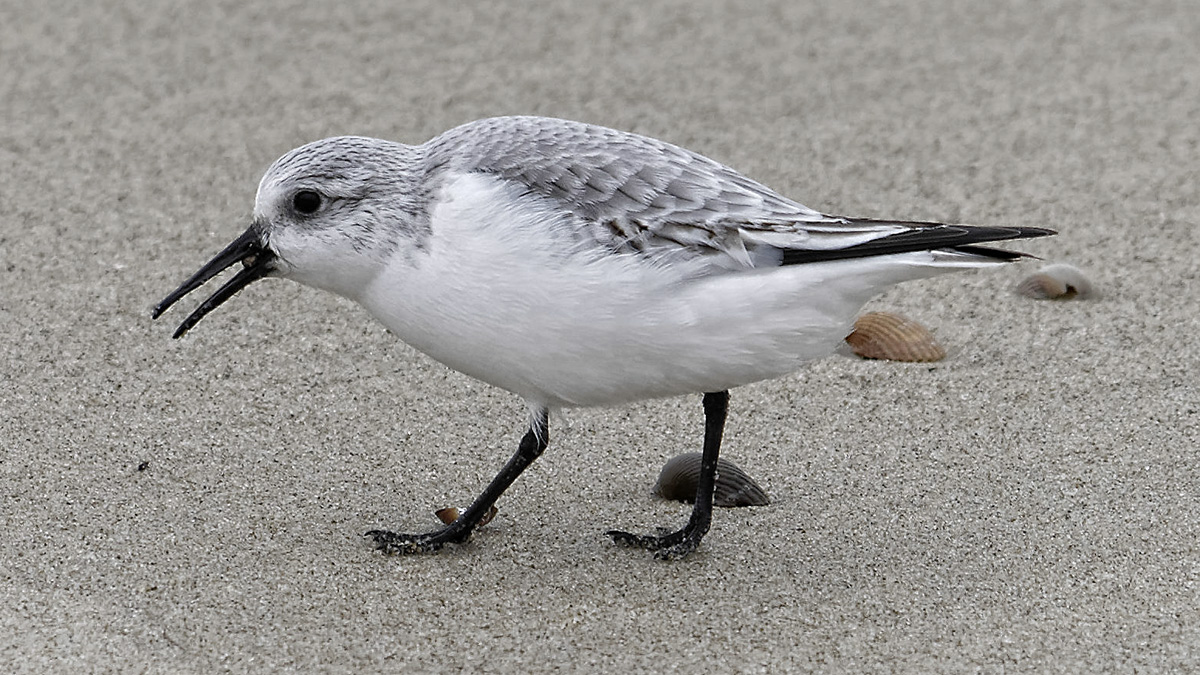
{"points": [[642, 194]]}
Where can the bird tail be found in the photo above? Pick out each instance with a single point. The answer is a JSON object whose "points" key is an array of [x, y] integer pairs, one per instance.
{"points": [[959, 241]]}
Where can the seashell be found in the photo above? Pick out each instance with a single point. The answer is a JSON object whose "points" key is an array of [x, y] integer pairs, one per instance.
{"points": [[1059, 281], [450, 514], [883, 335], [680, 475]]}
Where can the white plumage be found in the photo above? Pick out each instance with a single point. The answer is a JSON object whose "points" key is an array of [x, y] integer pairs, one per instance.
{"points": [[575, 265]]}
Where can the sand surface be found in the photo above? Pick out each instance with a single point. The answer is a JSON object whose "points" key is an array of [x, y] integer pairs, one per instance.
{"points": [[1028, 504]]}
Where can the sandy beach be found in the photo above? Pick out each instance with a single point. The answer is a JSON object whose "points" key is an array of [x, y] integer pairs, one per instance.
{"points": [[1029, 504]]}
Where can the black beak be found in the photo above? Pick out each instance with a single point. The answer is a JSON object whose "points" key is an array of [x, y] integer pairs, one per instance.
{"points": [[247, 249]]}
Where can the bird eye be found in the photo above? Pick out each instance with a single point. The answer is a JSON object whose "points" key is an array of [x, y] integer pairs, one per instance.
{"points": [[306, 201]]}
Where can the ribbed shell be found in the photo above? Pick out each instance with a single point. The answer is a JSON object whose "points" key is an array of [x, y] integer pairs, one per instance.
{"points": [[884, 335], [1059, 281], [681, 474]]}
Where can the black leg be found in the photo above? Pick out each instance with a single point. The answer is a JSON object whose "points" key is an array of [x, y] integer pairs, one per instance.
{"points": [[459, 531], [679, 544]]}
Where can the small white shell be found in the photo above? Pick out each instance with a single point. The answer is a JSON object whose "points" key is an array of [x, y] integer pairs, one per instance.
{"points": [[1059, 281], [884, 335]]}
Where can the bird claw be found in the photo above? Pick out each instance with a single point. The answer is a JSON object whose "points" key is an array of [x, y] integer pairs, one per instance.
{"points": [[671, 546], [395, 543]]}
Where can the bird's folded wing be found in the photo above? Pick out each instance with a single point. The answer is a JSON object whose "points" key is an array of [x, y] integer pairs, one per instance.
{"points": [[634, 194]]}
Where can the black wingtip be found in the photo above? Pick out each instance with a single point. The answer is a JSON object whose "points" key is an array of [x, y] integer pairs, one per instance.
{"points": [[922, 236], [1032, 232]]}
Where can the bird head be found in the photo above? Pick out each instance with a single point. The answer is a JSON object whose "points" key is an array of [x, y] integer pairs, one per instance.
{"points": [[327, 214]]}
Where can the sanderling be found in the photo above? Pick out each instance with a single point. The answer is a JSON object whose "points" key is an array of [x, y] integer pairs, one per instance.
{"points": [[576, 265]]}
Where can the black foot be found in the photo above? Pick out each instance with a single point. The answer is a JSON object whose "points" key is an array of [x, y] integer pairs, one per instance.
{"points": [[671, 546], [395, 543], [482, 510]]}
